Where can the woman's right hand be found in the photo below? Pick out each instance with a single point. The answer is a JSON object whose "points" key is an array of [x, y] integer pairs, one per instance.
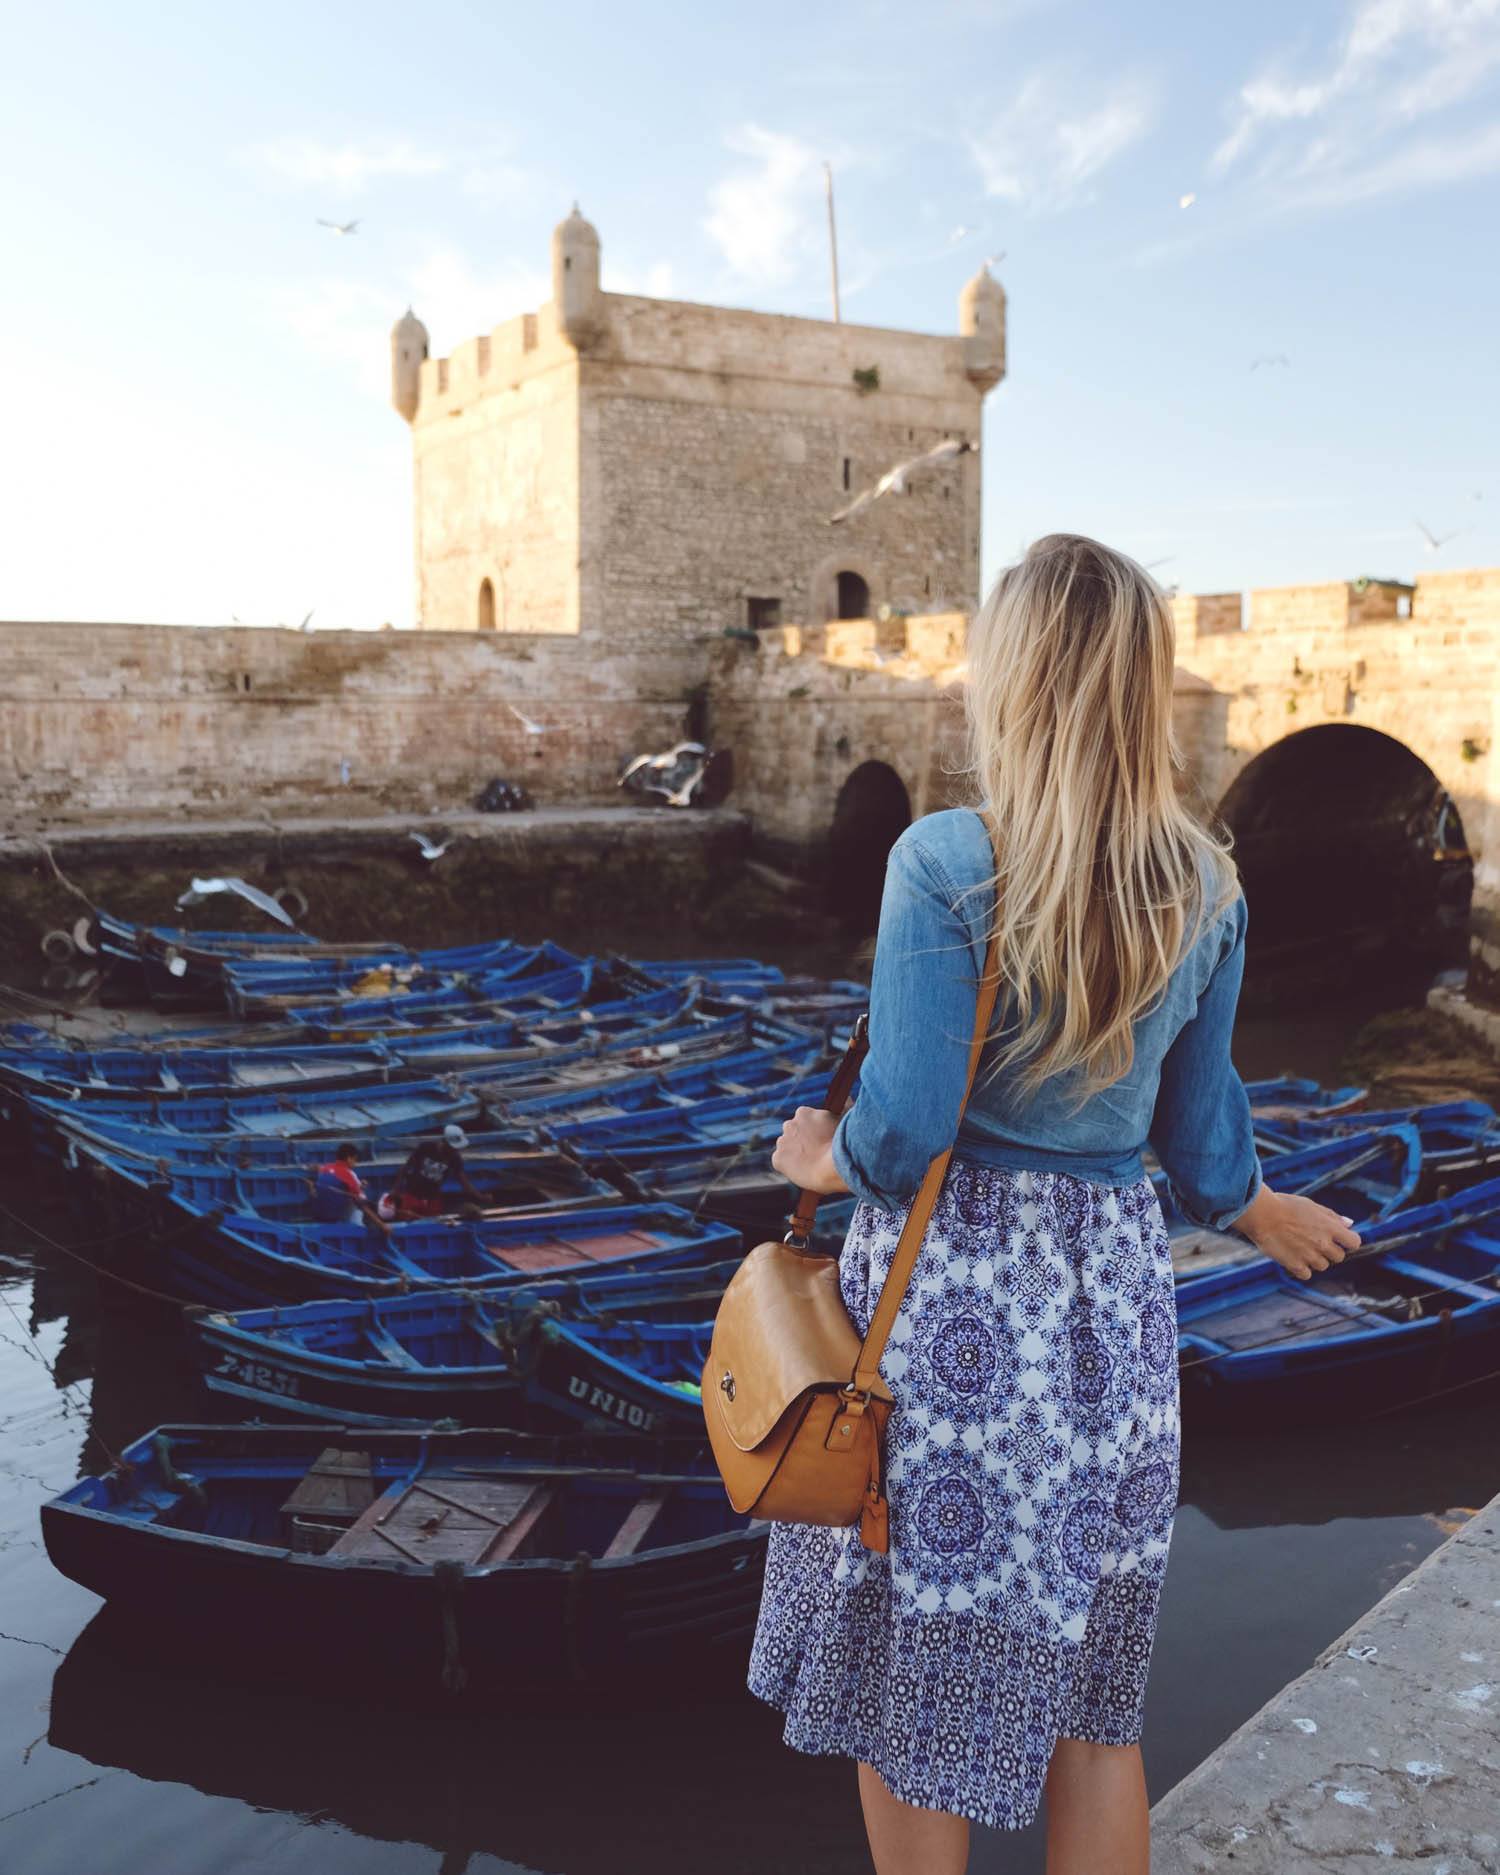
{"points": [[1300, 1234]]}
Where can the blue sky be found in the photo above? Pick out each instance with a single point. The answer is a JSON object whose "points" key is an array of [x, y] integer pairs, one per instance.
{"points": [[198, 425]]}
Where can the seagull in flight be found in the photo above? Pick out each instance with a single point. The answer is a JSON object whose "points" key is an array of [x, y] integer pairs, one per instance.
{"points": [[1269, 358], [1435, 541], [339, 227], [201, 889], [894, 481], [431, 850], [531, 728], [1187, 201]]}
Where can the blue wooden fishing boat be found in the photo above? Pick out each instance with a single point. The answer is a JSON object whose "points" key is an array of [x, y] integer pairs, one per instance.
{"points": [[106, 1073], [164, 1145], [156, 1195], [1363, 1176], [360, 1113], [660, 1136], [1415, 1312], [744, 1057], [1290, 1097], [280, 986], [471, 1561], [1460, 1139], [231, 1261], [364, 1018], [478, 1359], [508, 1051]]}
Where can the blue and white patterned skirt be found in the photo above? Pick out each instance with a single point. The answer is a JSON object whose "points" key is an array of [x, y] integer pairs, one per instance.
{"points": [[1031, 1467]]}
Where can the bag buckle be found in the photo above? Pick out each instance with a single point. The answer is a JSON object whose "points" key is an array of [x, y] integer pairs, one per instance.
{"points": [[797, 1239]]}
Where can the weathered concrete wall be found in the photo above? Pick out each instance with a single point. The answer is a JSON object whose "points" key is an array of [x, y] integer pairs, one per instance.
{"points": [[1384, 1754], [138, 719], [807, 706], [1336, 653]]}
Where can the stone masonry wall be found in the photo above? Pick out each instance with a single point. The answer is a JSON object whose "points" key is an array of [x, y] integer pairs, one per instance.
{"points": [[495, 490], [807, 706], [705, 506], [148, 719], [1314, 655]]}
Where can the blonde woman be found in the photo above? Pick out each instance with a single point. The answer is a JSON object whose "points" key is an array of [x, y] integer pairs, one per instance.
{"points": [[1000, 1650]]}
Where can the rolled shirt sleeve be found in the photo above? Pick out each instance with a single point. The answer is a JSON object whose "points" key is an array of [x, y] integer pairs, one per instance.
{"points": [[923, 992], [1201, 1128]]}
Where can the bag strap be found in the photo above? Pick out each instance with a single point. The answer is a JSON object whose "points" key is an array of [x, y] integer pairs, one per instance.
{"points": [[866, 1374], [800, 1223]]}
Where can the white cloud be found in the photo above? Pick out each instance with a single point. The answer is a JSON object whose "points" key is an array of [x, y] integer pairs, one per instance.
{"points": [[1044, 147], [456, 301], [348, 322], [347, 166], [1398, 60], [762, 216]]}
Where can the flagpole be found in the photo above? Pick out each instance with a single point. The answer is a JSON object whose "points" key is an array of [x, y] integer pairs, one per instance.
{"points": [[833, 240]]}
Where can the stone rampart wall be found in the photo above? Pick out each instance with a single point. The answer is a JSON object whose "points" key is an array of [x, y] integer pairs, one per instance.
{"points": [[149, 719]]}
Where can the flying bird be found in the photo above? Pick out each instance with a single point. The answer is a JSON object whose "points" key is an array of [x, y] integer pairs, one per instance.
{"points": [[339, 227], [531, 728], [431, 850], [1187, 201], [894, 481], [201, 889], [1268, 358], [1435, 541]]}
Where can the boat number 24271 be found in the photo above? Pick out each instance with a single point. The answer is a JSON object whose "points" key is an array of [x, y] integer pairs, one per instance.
{"points": [[257, 1374]]}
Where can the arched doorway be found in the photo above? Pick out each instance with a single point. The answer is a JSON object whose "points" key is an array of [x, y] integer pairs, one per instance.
{"points": [[486, 606], [851, 595], [872, 809], [1354, 860]]}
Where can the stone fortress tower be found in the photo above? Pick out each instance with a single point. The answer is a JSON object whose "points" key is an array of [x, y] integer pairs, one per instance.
{"points": [[656, 471]]}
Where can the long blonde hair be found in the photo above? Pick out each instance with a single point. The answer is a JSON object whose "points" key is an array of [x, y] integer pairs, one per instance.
{"points": [[1103, 877]]}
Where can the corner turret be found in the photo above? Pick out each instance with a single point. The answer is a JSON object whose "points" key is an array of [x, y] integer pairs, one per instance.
{"points": [[409, 346], [575, 279], [981, 322]]}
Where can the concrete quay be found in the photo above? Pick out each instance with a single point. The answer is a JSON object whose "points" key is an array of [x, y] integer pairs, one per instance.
{"points": [[1385, 1753]]}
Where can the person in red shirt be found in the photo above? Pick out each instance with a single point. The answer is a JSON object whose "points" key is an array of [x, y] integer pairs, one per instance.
{"points": [[339, 1192]]}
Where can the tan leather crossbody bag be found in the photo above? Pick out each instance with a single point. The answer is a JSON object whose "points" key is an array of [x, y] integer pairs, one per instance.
{"points": [[794, 1399]]}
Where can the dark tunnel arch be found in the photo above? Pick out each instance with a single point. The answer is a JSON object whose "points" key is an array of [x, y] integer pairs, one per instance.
{"points": [[1354, 860], [873, 809]]}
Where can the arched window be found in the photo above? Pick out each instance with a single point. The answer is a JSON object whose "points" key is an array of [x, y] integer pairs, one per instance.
{"points": [[486, 606], [853, 596]]}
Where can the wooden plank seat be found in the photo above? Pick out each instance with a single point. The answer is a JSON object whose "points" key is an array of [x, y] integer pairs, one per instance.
{"points": [[632, 1533], [464, 1520]]}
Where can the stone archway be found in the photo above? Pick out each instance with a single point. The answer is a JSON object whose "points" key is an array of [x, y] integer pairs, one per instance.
{"points": [[1353, 856], [840, 580], [872, 810]]}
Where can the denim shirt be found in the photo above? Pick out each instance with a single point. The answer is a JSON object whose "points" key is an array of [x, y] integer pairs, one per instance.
{"points": [[1181, 1095]]}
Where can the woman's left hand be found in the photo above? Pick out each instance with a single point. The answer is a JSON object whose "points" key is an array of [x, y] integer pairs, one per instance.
{"points": [[804, 1153]]}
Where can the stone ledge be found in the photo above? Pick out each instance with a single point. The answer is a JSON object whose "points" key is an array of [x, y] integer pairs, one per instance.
{"points": [[1385, 1753]]}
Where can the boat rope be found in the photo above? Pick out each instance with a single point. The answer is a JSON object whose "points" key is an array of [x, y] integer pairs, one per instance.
{"points": [[103, 1269]]}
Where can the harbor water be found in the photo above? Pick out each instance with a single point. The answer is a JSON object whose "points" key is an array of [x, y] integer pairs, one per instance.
{"points": [[117, 1756]]}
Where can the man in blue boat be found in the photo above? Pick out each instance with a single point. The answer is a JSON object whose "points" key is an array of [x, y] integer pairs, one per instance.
{"points": [[339, 1192], [432, 1164]]}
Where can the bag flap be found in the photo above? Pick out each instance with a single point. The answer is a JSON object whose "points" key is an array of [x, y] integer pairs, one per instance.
{"points": [[781, 1328]]}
